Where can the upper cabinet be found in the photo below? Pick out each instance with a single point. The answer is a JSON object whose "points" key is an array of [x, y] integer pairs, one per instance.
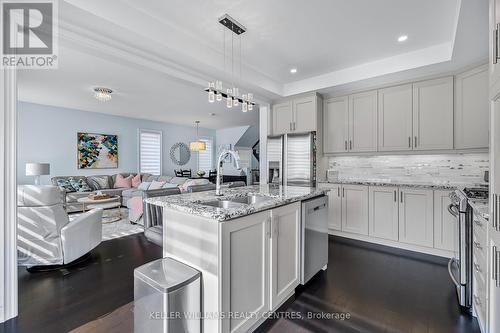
{"points": [[296, 116], [335, 122], [433, 114], [282, 118], [363, 122], [395, 107], [472, 109]]}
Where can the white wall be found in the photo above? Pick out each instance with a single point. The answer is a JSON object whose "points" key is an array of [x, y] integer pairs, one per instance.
{"points": [[48, 134]]}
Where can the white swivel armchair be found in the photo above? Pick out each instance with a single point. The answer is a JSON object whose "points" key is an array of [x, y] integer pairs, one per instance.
{"points": [[45, 236]]}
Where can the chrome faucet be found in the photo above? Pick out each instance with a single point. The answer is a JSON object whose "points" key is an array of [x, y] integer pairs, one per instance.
{"points": [[220, 161]]}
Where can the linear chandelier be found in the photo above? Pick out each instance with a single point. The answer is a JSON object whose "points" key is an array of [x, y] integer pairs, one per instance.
{"points": [[215, 88]]}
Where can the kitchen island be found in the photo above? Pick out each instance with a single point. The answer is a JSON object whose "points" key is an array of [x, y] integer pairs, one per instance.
{"points": [[246, 243]]}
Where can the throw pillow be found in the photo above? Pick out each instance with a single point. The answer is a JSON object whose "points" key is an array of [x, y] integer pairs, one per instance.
{"points": [[169, 185], [65, 185], [79, 185], [122, 182], [98, 182], [155, 185], [136, 180], [178, 180], [144, 186]]}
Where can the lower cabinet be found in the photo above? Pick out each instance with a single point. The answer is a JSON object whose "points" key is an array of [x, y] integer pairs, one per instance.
{"points": [[355, 209], [245, 270], [445, 224], [383, 217], [260, 264], [334, 205], [285, 252], [416, 217]]}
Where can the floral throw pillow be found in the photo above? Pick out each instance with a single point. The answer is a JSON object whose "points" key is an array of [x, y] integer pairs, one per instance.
{"points": [[65, 185], [79, 185]]}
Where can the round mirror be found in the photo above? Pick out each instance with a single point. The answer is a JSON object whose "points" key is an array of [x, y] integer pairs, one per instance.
{"points": [[180, 153]]}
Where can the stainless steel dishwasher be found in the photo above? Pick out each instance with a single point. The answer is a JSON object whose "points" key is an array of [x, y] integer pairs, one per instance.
{"points": [[314, 241]]}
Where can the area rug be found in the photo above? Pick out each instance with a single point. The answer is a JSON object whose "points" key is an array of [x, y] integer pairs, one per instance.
{"points": [[117, 229]]}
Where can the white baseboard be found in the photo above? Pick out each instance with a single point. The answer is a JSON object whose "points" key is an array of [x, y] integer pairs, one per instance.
{"points": [[380, 241]]}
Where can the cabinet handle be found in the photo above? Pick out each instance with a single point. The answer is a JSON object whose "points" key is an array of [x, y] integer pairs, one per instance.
{"points": [[493, 263], [290, 126], [338, 191], [401, 196], [409, 142], [343, 192], [494, 217], [294, 126], [345, 145], [415, 142], [350, 144], [395, 199], [269, 227], [496, 37]]}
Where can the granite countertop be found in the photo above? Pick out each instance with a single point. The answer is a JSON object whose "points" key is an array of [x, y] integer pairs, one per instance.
{"points": [[481, 207], [437, 185], [192, 203]]}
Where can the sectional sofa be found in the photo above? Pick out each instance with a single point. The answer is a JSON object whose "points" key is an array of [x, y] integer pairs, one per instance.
{"points": [[105, 184]]}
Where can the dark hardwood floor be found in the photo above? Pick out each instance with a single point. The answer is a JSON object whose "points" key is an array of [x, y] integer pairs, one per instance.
{"points": [[62, 300], [382, 290]]}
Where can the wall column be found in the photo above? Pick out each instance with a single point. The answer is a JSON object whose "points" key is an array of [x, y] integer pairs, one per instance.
{"points": [[8, 195]]}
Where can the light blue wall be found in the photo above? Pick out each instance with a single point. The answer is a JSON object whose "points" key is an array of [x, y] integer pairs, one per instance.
{"points": [[48, 134]]}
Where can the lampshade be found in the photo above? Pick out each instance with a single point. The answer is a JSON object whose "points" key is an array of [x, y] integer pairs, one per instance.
{"points": [[197, 146], [37, 169]]}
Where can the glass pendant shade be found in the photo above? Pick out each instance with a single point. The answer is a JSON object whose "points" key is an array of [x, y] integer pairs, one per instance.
{"points": [[211, 93], [244, 107], [229, 99]]}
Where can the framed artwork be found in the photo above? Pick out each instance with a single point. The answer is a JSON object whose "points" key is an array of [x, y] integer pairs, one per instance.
{"points": [[97, 151]]}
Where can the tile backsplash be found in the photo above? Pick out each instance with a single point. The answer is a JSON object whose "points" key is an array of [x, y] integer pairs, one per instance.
{"points": [[443, 168]]}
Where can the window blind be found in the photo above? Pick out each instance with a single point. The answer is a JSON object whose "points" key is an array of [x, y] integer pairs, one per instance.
{"points": [[150, 147], [205, 157]]}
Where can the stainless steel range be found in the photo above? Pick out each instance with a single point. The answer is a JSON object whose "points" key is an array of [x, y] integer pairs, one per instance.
{"points": [[460, 266]]}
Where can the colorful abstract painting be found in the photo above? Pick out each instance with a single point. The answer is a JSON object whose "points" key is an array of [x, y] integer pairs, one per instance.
{"points": [[97, 151]]}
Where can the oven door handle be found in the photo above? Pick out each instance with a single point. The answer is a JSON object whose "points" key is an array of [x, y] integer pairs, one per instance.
{"points": [[453, 210], [452, 260]]}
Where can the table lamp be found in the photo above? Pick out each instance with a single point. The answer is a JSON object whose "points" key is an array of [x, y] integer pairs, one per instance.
{"points": [[37, 170]]}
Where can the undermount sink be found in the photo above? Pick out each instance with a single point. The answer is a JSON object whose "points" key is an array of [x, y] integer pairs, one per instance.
{"points": [[251, 199], [237, 202], [223, 204]]}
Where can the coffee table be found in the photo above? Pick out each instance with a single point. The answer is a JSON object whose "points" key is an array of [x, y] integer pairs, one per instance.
{"points": [[112, 205]]}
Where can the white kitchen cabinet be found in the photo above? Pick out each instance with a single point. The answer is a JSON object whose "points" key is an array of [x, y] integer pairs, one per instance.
{"points": [[304, 114], [335, 125], [282, 118], [363, 122], [355, 209], [334, 205], [298, 115], [383, 217], [445, 224], [245, 272], [416, 217], [433, 114], [493, 304], [395, 123], [285, 252], [472, 109]]}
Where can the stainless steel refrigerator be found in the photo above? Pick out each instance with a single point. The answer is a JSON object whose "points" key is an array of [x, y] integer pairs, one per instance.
{"points": [[291, 159]]}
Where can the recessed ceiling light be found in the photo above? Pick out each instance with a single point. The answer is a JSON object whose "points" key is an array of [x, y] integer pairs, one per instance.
{"points": [[293, 70], [402, 38]]}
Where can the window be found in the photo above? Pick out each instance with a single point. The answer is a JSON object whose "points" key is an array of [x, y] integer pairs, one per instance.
{"points": [[150, 151], [205, 157]]}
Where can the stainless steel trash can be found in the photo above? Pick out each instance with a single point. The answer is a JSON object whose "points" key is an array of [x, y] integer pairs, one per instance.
{"points": [[167, 297]]}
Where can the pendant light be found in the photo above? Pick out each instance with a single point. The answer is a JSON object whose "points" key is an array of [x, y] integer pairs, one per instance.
{"points": [[197, 145]]}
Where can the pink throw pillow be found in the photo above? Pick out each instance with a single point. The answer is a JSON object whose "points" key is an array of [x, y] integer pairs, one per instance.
{"points": [[136, 181], [122, 182]]}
